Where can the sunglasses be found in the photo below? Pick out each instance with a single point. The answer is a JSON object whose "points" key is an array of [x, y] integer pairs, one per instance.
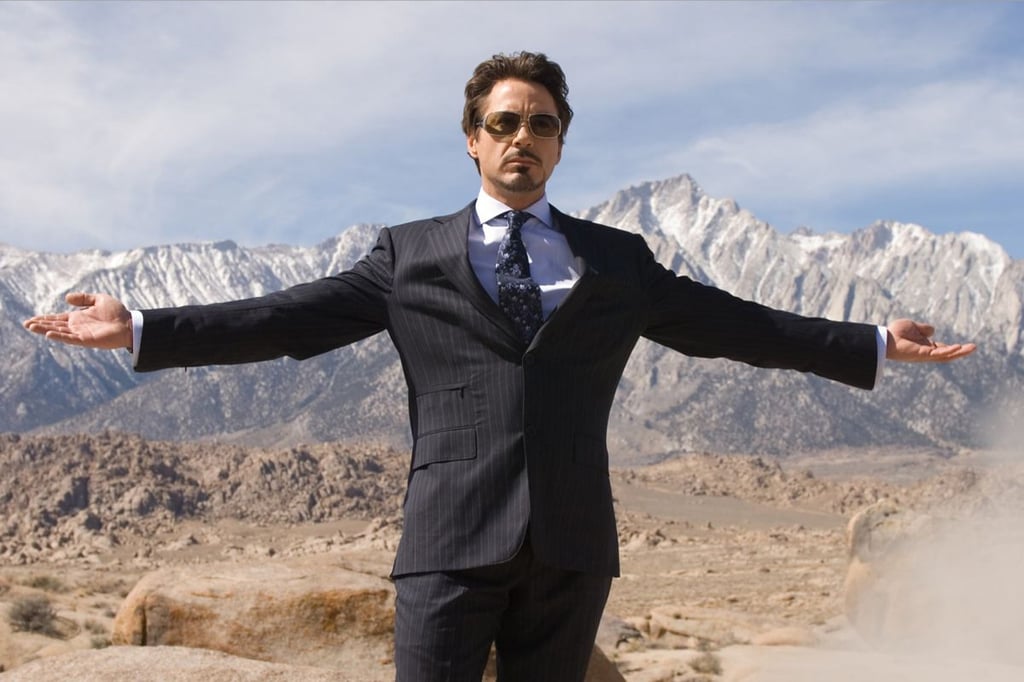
{"points": [[508, 123]]}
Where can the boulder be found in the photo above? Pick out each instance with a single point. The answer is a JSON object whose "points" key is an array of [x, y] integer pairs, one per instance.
{"points": [[166, 664], [183, 664], [306, 612], [691, 627]]}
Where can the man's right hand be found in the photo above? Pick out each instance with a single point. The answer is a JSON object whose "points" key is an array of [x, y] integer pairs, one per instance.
{"points": [[100, 322]]}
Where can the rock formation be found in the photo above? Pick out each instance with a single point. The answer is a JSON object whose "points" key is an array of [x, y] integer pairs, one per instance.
{"points": [[307, 612]]}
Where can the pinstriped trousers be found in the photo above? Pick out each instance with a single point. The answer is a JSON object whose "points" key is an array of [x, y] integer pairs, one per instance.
{"points": [[542, 621]]}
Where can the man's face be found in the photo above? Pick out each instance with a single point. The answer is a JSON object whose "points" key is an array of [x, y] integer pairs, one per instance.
{"points": [[514, 169]]}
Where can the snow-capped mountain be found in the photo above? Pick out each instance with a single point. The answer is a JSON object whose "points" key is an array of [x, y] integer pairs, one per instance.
{"points": [[964, 283]]}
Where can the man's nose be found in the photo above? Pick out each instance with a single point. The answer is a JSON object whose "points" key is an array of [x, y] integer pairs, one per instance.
{"points": [[523, 136]]}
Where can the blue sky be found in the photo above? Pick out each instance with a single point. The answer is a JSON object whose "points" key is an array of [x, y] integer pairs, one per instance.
{"points": [[131, 124]]}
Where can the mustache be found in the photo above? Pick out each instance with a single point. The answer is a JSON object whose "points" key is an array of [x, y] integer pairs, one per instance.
{"points": [[522, 154]]}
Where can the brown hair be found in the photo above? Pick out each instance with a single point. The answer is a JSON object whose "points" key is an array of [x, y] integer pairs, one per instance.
{"points": [[532, 67]]}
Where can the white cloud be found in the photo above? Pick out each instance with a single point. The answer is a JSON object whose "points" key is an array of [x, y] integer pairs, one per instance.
{"points": [[103, 130], [136, 123], [941, 129]]}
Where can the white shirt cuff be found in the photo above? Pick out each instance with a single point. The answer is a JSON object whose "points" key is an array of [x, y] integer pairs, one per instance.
{"points": [[136, 335], [882, 340]]}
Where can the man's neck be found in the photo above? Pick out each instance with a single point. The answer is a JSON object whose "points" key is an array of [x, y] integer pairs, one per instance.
{"points": [[517, 201], [488, 207]]}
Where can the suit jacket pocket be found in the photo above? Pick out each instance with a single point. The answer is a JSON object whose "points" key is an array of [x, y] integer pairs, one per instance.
{"points": [[590, 451], [444, 446], [443, 408]]}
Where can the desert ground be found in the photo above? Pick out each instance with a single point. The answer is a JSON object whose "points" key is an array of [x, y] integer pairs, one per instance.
{"points": [[733, 567]]}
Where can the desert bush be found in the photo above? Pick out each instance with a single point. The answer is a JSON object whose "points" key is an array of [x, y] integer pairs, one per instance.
{"points": [[95, 627], [99, 641], [105, 607], [115, 586], [46, 583], [33, 614], [707, 663]]}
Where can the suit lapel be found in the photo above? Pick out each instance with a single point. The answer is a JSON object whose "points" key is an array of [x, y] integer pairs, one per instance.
{"points": [[585, 253], [449, 238], [583, 249]]}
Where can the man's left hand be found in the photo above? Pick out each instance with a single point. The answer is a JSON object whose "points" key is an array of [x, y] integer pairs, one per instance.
{"points": [[910, 341]]}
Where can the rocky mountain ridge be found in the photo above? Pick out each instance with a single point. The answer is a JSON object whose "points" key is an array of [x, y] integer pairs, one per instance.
{"points": [[667, 404], [73, 498]]}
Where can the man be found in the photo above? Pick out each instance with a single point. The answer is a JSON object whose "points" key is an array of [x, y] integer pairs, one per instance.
{"points": [[512, 365]]}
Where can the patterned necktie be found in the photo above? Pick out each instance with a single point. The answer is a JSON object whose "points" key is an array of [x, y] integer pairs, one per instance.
{"points": [[518, 294]]}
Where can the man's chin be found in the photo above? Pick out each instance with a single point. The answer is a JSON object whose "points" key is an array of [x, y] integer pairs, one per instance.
{"points": [[519, 181]]}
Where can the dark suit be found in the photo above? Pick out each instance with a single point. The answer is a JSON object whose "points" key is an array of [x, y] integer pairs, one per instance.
{"points": [[509, 439]]}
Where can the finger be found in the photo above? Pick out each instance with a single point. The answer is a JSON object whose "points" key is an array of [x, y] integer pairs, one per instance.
{"points": [[910, 351], [926, 330], [65, 337], [922, 343], [47, 329], [947, 352], [55, 331], [957, 351], [921, 334], [52, 317], [42, 326], [80, 298]]}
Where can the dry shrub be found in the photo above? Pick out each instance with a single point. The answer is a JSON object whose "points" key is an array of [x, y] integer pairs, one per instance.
{"points": [[116, 586], [95, 627], [46, 583], [33, 614], [707, 663]]}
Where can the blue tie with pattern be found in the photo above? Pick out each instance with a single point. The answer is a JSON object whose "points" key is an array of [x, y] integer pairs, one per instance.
{"points": [[518, 294]]}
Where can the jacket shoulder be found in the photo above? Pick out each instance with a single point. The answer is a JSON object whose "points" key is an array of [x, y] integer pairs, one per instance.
{"points": [[589, 227], [425, 223], [602, 243]]}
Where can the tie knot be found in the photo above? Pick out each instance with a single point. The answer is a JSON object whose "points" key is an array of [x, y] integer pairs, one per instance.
{"points": [[516, 219]]}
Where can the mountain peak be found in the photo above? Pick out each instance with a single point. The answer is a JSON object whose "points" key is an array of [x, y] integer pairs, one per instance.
{"points": [[667, 401]]}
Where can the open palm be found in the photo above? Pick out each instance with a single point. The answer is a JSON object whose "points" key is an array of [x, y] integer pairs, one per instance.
{"points": [[101, 321]]}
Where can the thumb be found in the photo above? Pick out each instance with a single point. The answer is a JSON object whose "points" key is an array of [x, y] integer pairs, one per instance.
{"points": [[926, 330], [80, 298]]}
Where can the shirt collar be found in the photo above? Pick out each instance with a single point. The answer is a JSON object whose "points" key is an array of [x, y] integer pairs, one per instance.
{"points": [[488, 208]]}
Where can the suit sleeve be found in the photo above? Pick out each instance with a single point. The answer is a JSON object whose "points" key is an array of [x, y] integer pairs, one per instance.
{"points": [[703, 321], [299, 322]]}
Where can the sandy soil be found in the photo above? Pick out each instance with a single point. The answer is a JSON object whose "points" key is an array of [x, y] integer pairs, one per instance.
{"points": [[763, 552]]}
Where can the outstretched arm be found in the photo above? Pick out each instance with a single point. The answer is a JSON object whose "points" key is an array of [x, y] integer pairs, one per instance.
{"points": [[910, 341], [100, 322]]}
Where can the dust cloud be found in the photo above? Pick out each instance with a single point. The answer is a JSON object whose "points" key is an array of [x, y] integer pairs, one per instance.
{"points": [[945, 598]]}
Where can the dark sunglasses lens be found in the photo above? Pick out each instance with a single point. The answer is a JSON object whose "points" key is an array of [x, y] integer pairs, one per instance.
{"points": [[502, 123], [505, 123], [545, 125]]}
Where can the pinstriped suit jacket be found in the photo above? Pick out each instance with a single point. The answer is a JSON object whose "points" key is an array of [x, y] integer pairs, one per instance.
{"points": [[509, 438]]}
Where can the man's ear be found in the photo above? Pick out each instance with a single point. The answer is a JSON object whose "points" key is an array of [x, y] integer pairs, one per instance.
{"points": [[471, 146]]}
